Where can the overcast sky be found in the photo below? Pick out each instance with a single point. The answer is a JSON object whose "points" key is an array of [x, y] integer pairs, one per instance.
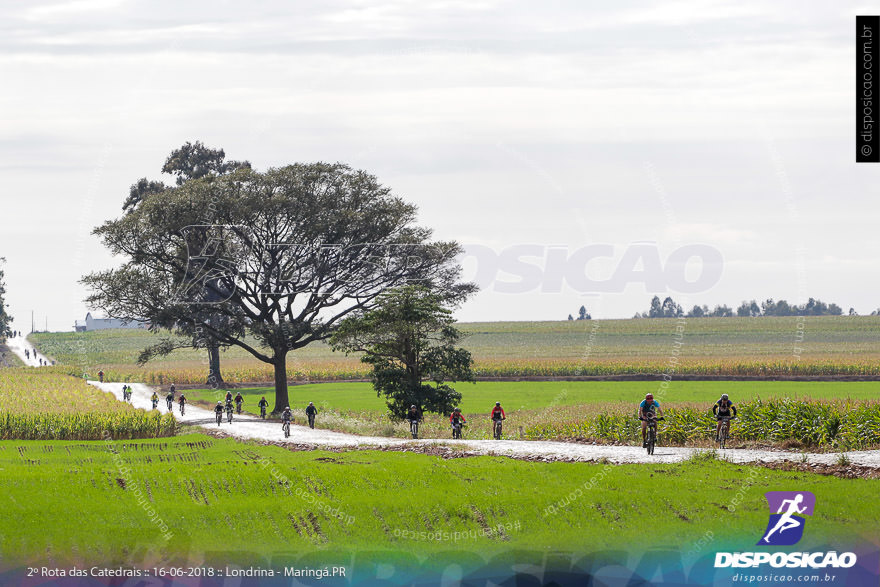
{"points": [[555, 124]]}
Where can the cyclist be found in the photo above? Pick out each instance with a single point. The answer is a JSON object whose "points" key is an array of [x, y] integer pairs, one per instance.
{"points": [[100, 375], [496, 415], [722, 409], [172, 390], [169, 399], [218, 412], [457, 417], [238, 401], [228, 397], [155, 399], [263, 405], [229, 410], [286, 415], [414, 416], [124, 392], [181, 401], [311, 412], [647, 408]]}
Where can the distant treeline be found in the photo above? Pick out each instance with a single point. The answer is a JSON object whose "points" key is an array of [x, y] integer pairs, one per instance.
{"points": [[668, 308]]}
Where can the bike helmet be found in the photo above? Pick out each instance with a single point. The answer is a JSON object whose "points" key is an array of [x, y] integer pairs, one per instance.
{"points": [[286, 407], [649, 397], [724, 396], [497, 403], [311, 404], [412, 407], [457, 409], [219, 403]]}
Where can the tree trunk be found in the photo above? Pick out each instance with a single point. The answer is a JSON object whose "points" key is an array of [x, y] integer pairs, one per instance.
{"points": [[281, 398], [215, 379]]}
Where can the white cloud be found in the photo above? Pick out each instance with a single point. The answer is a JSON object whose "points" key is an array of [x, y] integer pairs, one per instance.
{"points": [[505, 121], [65, 9]]}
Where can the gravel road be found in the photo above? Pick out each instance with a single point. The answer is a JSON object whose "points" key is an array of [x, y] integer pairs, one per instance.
{"points": [[251, 427]]}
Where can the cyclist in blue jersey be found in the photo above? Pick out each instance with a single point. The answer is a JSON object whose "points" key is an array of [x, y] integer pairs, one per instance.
{"points": [[647, 409]]}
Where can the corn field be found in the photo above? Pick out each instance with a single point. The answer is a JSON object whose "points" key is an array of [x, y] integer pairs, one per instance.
{"points": [[252, 371], [35, 405], [846, 425]]}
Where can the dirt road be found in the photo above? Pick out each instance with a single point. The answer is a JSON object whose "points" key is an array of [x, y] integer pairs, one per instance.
{"points": [[18, 345]]}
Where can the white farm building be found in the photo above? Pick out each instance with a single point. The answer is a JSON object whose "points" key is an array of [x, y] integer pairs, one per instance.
{"points": [[91, 323]]}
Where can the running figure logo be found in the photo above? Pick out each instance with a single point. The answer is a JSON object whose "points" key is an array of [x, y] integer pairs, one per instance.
{"points": [[786, 525]]}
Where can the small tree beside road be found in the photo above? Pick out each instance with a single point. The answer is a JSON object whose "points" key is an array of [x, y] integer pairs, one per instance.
{"points": [[410, 340]]}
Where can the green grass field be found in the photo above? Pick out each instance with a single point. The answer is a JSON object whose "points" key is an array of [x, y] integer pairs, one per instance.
{"points": [[824, 345], [479, 398], [182, 497]]}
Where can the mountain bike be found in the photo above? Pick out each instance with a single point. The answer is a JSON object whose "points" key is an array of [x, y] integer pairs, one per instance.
{"points": [[456, 429], [170, 403], [263, 412], [238, 408], [651, 433], [414, 428], [724, 432], [496, 428], [286, 427], [219, 416], [312, 421], [229, 414], [155, 403], [181, 409]]}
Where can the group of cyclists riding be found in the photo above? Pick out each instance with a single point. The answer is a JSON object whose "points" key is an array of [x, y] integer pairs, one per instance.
{"points": [[169, 399], [287, 417], [457, 420], [723, 410], [650, 413], [230, 406], [238, 400]]}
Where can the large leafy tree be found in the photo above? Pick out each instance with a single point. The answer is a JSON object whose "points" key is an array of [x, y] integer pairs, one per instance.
{"points": [[191, 161], [294, 251], [410, 340]]}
